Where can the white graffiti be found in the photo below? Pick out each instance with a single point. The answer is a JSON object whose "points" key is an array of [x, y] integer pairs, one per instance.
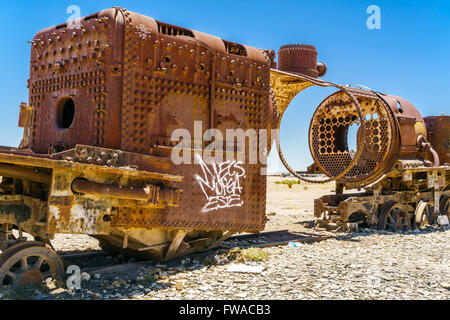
{"points": [[221, 184]]}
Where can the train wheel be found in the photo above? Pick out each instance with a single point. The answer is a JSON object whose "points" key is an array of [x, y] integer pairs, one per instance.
{"points": [[29, 264], [424, 214], [444, 206], [394, 217]]}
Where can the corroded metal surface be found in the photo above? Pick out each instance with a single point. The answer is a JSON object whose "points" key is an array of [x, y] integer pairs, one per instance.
{"points": [[396, 153], [95, 158], [300, 58], [105, 99], [111, 93], [438, 129]]}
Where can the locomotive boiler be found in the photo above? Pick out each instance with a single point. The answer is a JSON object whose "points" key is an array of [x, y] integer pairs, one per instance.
{"points": [[400, 164], [105, 95]]}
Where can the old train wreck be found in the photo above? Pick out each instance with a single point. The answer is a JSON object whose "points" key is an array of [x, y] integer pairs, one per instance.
{"points": [[95, 158]]}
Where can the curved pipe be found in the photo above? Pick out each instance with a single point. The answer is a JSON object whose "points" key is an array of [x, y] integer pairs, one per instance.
{"points": [[435, 155], [425, 146]]}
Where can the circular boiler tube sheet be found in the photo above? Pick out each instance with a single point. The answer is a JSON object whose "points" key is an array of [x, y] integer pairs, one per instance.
{"points": [[359, 152]]}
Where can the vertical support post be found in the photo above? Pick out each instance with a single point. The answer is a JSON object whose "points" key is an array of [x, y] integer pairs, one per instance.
{"points": [[437, 193], [125, 241], [176, 242], [4, 232], [4, 236], [339, 188]]}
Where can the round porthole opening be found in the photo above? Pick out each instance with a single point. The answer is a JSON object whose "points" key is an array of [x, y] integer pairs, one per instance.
{"points": [[66, 113]]}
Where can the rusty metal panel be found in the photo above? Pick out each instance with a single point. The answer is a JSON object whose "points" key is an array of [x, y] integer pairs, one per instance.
{"points": [[172, 80], [109, 96], [438, 129], [75, 84]]}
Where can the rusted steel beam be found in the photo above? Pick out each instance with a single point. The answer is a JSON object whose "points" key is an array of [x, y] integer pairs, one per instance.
{"points": [[10, 171]]}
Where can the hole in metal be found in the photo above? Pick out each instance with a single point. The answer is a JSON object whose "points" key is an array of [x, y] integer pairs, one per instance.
{"points": [[65, 113]]}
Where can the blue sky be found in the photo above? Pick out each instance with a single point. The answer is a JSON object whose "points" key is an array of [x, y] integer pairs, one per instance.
{"points": [[408, 57]]}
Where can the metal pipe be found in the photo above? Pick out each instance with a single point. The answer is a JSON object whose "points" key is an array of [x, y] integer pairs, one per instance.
{"points": [[424, 145], [435, 155], [24, 174], [83, 186]]}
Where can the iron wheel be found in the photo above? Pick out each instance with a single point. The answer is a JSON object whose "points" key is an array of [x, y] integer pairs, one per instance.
{"points": [[394, 217], [424, 214], [29, 264], [444, 206]]}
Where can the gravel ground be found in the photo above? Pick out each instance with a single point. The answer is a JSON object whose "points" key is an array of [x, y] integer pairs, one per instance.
{"points": [[364, 265]]}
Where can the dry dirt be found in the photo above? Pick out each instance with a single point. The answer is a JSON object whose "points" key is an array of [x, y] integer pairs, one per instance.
{"points": [[364, 265]]}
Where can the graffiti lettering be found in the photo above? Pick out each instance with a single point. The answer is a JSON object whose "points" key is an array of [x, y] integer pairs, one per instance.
{"points": [[221, 184]]}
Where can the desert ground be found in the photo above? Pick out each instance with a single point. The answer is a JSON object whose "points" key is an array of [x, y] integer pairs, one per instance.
{"points": [[365, 265]]}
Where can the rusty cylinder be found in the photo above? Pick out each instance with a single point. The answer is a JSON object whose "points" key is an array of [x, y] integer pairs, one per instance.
{"points": [[86, 187], [151, 193], [300, 58], [22, 173]]}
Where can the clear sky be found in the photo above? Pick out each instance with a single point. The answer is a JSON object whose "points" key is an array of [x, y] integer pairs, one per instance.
{"points": [[409, 56]]}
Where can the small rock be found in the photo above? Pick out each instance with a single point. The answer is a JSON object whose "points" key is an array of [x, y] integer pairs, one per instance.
{"points": [[163, 276], [58, 291], [97, 276], [85, 276], [179, 286]]}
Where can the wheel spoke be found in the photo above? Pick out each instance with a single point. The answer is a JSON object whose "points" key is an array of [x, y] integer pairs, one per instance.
{"points": [[39, 263], [395, 220], [24, 264], [11, 275], [389, 219]]}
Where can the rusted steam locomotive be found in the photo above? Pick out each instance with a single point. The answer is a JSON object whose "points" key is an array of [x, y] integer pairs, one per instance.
{"points": [[104, 100], [95, 159], [401, 161]]}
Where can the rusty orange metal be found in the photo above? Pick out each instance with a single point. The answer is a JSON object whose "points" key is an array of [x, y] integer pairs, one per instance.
{"points": [[95, 158]]}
